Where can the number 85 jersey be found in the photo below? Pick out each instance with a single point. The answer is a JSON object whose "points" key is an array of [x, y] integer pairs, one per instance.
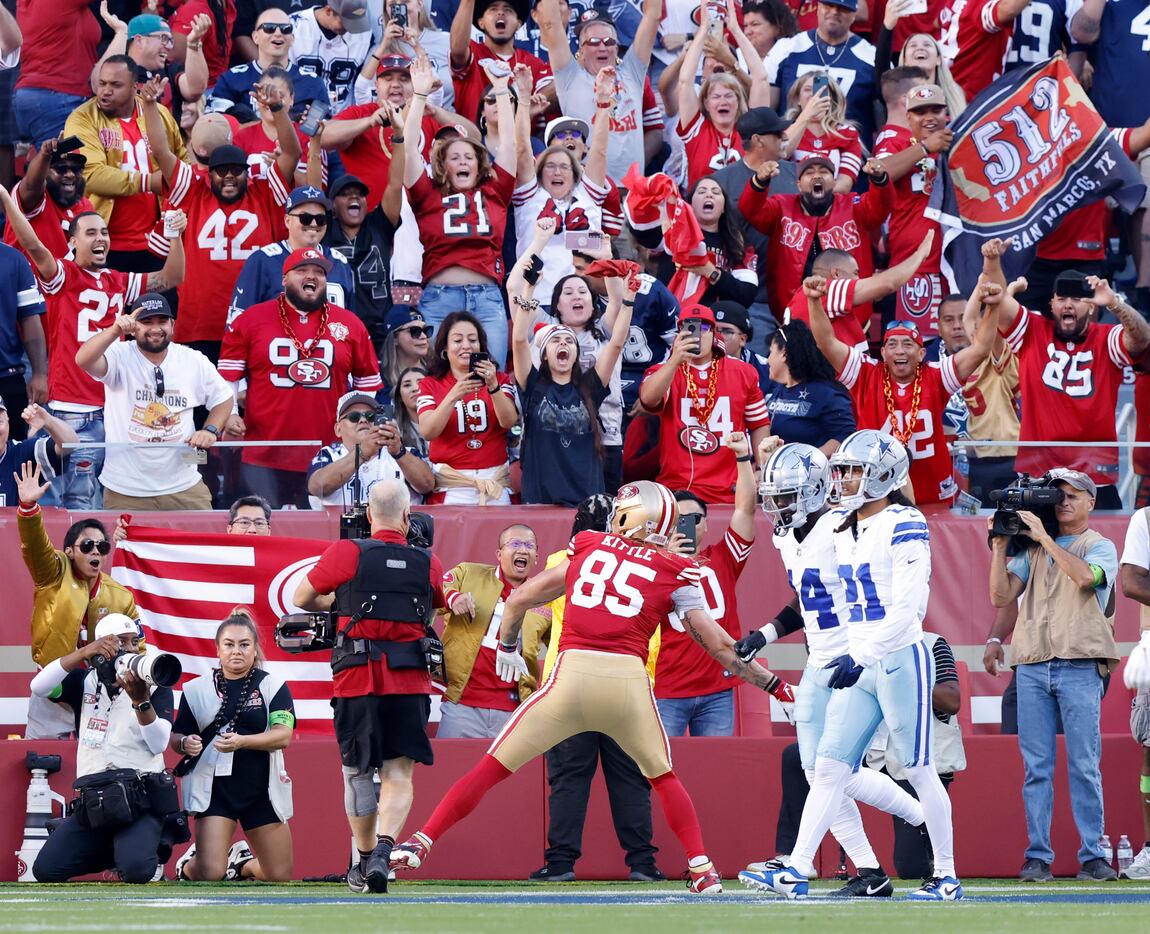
{"points": [[813, 573]]}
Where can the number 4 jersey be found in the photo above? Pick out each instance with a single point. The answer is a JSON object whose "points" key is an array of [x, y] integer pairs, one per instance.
{"points": [[220, 236], [620, 591], [81, 303]]}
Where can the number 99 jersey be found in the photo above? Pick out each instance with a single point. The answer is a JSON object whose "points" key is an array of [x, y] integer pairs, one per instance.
{"points": [[619, 591], [813, 573]]}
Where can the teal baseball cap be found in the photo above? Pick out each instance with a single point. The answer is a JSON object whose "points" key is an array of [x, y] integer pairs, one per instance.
{"points": [[145, 24]]}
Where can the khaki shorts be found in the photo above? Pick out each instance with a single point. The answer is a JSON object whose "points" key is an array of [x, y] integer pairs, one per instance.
{"points": [[597, 692], [196, 497]]}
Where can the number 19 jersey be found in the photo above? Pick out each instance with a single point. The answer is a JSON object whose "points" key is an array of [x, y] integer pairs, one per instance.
{"points": [[813, 573], [620, 591]]}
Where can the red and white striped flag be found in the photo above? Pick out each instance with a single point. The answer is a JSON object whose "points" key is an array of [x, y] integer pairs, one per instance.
{"points": [[186, 583]]}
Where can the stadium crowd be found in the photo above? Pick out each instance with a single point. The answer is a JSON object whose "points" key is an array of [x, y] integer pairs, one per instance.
{"points": [[485, 252]]}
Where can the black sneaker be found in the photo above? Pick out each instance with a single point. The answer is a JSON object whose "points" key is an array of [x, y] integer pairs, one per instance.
{"points": [[1097, 870], [869, 883], [378, 866], [357, 879], [1035, 870], [551, 873], [647, 874]]}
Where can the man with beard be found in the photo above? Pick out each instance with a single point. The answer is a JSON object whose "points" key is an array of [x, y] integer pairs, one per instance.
{"points": [[121, 177], [903, 395], [298, 353], [1070, 369], [307, 215], [51, 195], [151, 387], [498, 20], [229, 215], [795, 222], [83, 296]]}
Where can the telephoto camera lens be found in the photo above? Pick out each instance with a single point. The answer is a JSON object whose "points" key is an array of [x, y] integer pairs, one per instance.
{"points": [[160, 670]]}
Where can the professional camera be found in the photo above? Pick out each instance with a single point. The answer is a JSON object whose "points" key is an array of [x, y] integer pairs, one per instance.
{"points": [[158, 670], [1037, 495]]}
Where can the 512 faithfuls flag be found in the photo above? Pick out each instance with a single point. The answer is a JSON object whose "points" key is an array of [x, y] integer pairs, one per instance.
{"points": [[1028, 150]]}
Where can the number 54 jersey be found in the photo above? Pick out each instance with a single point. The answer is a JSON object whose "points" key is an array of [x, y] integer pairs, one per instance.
{"points": [[619, 591], [813, 573]]}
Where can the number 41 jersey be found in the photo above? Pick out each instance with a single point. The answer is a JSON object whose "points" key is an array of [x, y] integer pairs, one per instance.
{"points": [[620, 591]]}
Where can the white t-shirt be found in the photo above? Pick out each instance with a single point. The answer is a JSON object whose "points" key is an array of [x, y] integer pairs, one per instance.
{"points": [[1136, 550], [133, 413]]}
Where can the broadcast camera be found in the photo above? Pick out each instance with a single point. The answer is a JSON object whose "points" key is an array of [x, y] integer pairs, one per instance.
{"points": [[158, 670], [1037, 495]]}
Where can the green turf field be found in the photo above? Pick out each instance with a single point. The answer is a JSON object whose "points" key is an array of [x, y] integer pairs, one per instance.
{"points": [[994, 907]]}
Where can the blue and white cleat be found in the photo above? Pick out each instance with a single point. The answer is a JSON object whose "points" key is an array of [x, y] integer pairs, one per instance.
{"points": [[784, 880], [938, 889]]}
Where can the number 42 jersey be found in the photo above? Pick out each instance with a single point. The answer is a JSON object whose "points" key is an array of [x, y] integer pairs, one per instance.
{"points": [[619, 591]]}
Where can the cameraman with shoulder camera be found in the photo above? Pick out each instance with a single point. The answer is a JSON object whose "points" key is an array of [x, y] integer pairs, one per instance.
{"points": [[123, 793], [1063, 646], [383, 592], [361, 423]]}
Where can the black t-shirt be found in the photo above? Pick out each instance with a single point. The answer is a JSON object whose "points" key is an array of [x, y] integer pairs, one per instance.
{"points": [[72, 694], [560, 463], [249, 766], [368, 255]]}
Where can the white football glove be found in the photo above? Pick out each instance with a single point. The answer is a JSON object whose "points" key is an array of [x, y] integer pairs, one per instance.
{"points": [[1137, 676], [510, 666]]}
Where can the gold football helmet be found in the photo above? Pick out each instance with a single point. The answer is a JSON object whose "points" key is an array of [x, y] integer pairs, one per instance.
{"points": [[645, 511]]}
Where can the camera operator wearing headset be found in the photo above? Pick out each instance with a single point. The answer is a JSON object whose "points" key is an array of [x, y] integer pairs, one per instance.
{"points": [[124, 727], [1063, 646], [383, 592], [359, 422]]}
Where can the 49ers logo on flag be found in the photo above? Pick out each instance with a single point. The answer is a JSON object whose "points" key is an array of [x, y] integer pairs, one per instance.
{"points": [[309, 372], [699, 440]]}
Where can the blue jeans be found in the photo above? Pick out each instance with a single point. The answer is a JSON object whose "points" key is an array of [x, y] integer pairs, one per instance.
{"points": [[1074, 688], [483, 301], [78, 487], [40, 113], [706, 715]]}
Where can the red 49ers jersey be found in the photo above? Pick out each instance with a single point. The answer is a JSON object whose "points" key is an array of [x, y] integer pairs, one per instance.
{"points": [[931, 470], [973, 43], [620, 591], [839, 303], [696, 457], [133, 217], [80, 304], [472, 439], [219, 238], [464, 228], [684, 669], [50, 222], [291, 396], [1069, 392], [707, 149]]}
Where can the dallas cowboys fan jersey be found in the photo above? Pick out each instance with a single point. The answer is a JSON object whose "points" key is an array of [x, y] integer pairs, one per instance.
{"points": [[1121, 59], [885, 571], [813, 572], [261, 278]]}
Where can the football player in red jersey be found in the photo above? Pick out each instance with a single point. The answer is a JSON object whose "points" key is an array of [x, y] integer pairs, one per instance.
{"points": [[83, 297], [903, 395], [1070, 368], [701, 396], [620, 586], [299, 354], [230, 216]]}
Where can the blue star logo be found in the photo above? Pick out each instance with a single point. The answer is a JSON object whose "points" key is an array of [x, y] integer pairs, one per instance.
{"points": [[805, 460], [883, 446], [803, 394]]}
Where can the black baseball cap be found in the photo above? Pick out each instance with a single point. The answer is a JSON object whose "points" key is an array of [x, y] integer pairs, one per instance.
{"points": [[522, 9], [151, 304], [761, 121], [344, 182], [227, 155], [733, 313]]}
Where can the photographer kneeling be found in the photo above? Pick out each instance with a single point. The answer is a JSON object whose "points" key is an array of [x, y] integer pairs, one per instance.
{"points": [[1063, 647], [383, 592], [123, 794]]}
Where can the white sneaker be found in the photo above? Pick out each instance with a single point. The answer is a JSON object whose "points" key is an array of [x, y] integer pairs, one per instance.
{"points": [[777, 862], [183, 861], [1140, 868], [239, 855]]}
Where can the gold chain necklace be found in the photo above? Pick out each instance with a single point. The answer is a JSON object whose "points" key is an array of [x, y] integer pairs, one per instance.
{"points": [[702, 413], [903, 435]]}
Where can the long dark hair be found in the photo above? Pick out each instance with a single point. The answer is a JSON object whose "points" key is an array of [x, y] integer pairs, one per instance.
{"points": [[545, 379], [851, 522], [593, 326], [732, 246], [218, 9], [438, 367], [408, 430], [804, 359], [777, 13]]}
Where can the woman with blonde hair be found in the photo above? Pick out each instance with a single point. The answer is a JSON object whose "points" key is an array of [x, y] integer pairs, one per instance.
{"points": [[923, 51], [232, 728], [817, 106]]}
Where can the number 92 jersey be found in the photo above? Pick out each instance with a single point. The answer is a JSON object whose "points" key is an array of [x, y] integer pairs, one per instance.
{"points": [[619, 591], [813, 573]]}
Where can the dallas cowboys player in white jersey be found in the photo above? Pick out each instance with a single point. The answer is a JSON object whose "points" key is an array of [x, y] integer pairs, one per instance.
{"points": [[883, 553], [796, 480]]}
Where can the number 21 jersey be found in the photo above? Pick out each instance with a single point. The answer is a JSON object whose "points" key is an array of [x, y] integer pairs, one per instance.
{"points": [[620, 591]]}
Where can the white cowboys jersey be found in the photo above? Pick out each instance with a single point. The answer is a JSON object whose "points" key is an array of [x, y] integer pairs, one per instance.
{"points": [[886, 574], [813, 572], [335, 61]]}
